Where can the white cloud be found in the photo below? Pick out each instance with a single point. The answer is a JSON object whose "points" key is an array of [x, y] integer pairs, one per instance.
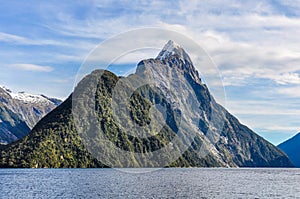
{"points": [[20, 40], [33, 67], [238, 35], [292, 91], [272, 112], [16, 39], [286, 78], [11, 38], [239, 61], [263, 108], [283, 128], [250, 41]]}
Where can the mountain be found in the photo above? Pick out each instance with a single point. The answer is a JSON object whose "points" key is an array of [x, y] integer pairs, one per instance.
{"points": [[162, 115], [19, 112], [291, 147]]}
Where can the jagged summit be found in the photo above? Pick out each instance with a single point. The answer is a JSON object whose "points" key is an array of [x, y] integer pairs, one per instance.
{"points": [[110, 121], [171, 56], [171, 45], [172, 48]]}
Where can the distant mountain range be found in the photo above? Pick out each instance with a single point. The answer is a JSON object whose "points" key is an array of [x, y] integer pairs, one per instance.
{"points": [[19, 112], [292, 148], [217, 138]]}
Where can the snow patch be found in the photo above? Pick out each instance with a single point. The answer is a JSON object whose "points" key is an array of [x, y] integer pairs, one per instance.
{"points": [[6, 89], [30, 98], [27, 97], [169, 49]]}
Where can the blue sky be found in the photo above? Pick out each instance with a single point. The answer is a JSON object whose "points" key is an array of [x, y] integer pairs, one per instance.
{"points": [[255, 45]]}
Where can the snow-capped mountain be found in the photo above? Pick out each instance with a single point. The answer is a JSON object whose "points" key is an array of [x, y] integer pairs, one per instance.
{"points": [[109, 121], [172, 48], [29, 98], [20, 111]]}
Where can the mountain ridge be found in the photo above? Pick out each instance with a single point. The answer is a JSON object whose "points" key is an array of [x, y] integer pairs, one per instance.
{"points": [[20, 112], [209, 135], [291, 148]]}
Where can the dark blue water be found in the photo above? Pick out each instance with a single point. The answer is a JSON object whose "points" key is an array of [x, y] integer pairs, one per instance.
{"points": [[166, 183]]}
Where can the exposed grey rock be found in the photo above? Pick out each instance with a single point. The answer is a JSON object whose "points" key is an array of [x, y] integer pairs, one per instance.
{"points": [[230, 142], [20, 112], [214, 137]]}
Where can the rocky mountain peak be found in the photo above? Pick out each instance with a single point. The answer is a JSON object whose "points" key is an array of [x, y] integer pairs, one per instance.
{"points": [[162, 115], [171, 60], [173, 49]]}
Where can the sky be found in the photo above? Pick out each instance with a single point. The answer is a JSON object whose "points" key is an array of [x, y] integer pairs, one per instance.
{"points": [[254, 44]]}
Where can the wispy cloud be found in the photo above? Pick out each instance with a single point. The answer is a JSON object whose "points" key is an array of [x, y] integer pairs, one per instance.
{"points": [[12, 38], [255, 45], [277, 108], [20, 40], [292, 91], [32, 67], [286, 78]]}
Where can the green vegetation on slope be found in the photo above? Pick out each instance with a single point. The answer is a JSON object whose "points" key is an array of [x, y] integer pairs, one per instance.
{"points": [[55, 142]]}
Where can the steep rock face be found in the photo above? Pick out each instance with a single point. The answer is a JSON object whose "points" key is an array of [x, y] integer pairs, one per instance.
{"points": [[20, 112], [291, 147], [209, 135], [235, 144], [11, 126]]}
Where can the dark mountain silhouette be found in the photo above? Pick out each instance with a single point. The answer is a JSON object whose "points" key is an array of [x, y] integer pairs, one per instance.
{"points": [[291, 147]]}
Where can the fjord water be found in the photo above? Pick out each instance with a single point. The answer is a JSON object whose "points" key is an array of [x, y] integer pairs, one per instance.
{"points": [[165, 183]]}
